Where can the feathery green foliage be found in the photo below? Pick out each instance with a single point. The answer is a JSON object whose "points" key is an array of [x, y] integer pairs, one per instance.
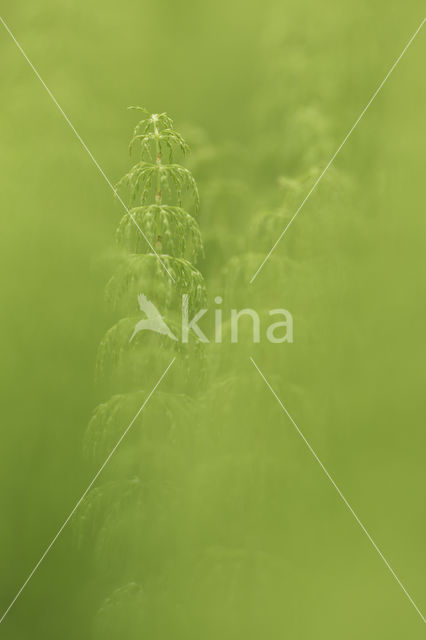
{"points": [[149, 466], [169, 272]]}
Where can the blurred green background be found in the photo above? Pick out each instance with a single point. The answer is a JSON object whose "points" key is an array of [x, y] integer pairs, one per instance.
{"points": [[264, 92]]}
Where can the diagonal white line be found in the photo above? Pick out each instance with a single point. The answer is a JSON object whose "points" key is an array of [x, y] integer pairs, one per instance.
{"points": [[340, 147], [76, 506], [85, 147], [339, 491]]}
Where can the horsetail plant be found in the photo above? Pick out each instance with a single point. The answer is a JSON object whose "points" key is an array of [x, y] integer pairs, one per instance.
{"points": [[158, 191], [170, 177], [161, 191]]}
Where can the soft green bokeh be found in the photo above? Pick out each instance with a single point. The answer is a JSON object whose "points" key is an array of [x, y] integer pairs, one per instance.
{"points": [[263, 92]]}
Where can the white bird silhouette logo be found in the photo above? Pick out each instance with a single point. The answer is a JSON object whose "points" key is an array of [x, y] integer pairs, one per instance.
{"points": [[154, 320]]}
